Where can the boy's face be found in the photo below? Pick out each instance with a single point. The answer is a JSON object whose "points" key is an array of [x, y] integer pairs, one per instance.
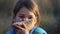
{"points": [[25, 14]]}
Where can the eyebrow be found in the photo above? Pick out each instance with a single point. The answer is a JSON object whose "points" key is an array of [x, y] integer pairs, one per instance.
{"points": [[24, 15], [21, 14]]}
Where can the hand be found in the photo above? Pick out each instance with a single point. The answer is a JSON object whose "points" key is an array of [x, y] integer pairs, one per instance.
{"points": [[21, 29]]}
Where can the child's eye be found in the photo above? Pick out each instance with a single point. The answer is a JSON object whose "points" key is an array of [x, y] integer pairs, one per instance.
{"points": [[30, 17]]}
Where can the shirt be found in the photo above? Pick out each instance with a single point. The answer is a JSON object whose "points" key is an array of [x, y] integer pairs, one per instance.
{"points": [[34, 30]]}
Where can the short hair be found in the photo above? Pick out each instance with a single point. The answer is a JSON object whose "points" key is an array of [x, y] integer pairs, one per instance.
{"points": [[29, 4]]}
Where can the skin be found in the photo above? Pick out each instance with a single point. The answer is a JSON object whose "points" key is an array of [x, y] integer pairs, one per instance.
{"points": [[22, 15]]}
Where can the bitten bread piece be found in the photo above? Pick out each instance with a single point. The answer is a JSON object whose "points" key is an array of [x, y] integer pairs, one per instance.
{"points": [[17, 23], [20, 23]]}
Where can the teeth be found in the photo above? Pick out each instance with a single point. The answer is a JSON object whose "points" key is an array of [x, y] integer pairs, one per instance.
{"points": [[20, 23]]}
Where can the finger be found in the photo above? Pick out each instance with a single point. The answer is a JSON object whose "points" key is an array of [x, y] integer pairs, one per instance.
{"points": [[19, 27], [18, 30], [15, 26], [24, 25]]}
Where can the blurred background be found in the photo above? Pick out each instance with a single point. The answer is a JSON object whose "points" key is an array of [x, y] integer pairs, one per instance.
{"points": [[49, 10]]}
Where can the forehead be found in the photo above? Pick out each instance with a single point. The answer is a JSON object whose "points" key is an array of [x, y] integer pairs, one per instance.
{"points": [[25, 11]]}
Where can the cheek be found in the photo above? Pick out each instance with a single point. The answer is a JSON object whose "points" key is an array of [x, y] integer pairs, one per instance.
{"points": [[33, 21], [16, 19]]}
